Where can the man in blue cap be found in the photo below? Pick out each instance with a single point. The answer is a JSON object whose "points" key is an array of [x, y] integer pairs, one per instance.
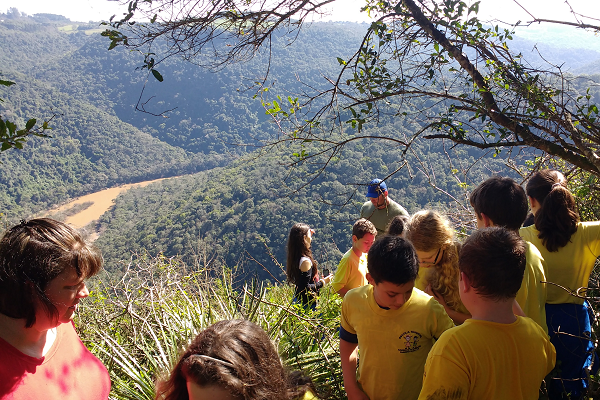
{"points": [[381, 209]]}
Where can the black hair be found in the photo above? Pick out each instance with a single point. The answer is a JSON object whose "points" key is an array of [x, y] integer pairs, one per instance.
{"points": [[397, 225], [557, 218], [502, 200], [34, 253], [392, 259], [296, 249], [494, 260]]}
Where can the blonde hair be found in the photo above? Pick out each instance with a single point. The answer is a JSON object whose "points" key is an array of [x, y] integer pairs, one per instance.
{"points": [[429, 230]]}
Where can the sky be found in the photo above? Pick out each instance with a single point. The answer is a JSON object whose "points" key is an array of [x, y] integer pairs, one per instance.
{"points": [[344, 10]]}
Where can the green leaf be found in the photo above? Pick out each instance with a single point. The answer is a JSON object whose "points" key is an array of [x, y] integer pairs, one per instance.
{"points": [[157, 75], [30, 124], [6, 83]]}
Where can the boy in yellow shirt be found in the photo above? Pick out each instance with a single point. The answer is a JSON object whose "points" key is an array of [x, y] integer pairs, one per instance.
{"points": [[502, 202], [352, 269], [394, 324], [495, 354]]}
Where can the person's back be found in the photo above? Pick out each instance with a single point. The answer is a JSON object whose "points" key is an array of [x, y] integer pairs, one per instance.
{"points": [[495, 360], [502, 202], [394, 325], [570, 249], [495, 354], [572, 265]]}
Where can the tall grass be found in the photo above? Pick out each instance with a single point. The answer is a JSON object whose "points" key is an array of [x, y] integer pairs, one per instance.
{"points": [[139, 324]]}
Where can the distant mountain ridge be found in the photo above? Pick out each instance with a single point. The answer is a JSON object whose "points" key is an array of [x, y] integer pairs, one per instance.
{"points": [[233, 212]]}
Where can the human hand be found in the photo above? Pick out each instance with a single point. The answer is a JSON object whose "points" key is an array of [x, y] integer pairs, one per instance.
{"points": [[436, 296], [327, 279], [428, 290]]}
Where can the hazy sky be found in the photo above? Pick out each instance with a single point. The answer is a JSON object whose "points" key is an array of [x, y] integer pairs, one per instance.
{"points": [[344, 10]]}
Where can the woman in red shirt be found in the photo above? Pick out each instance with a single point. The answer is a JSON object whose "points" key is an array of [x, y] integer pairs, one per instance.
{"points": [[43, 265]]}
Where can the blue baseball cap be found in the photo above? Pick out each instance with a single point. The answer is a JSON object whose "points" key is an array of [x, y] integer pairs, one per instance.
{"points": [[377, 187]]}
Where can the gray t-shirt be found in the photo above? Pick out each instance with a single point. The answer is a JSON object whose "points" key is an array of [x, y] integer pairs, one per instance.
{"points": [[381, 218]]}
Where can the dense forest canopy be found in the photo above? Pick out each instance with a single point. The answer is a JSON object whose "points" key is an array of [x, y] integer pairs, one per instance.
{"points": [[239, 209], [414, 52]]}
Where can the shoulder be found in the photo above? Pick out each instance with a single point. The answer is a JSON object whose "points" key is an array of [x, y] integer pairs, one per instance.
{"points": [[397, 208], [528, 232], [367, 207], [358, 297], [419, 298], [346, 256], [358, 294], [591, 228], [356, 301], [305, 264], [533, 256]]}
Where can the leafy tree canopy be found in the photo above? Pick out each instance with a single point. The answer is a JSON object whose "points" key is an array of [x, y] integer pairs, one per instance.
{"points": [[416, 54]]}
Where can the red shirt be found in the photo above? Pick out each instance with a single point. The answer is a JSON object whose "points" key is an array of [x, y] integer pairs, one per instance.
{"points": [[67, 371]]}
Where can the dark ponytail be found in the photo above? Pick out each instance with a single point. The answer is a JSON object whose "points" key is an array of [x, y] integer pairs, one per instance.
{"points": [[557, 217]]}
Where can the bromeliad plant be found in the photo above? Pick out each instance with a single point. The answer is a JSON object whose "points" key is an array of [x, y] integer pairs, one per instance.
{"points": [[139, 324]]}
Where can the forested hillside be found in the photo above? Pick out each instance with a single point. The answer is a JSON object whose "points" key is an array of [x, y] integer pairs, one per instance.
{"points": [[239, 209]]}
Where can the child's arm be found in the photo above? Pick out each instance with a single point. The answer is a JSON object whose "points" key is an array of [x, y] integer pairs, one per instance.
{"points": [[348, 353]]}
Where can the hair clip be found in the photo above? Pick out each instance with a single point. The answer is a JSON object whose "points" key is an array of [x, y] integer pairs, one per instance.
{"points": [[226, 363], [557, 184]]}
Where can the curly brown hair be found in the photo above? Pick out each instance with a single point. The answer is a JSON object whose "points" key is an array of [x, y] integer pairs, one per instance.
{"points": [[236, 355], [429, 230]]}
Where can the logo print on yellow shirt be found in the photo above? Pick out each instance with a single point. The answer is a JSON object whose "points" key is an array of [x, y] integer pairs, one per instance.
{"points": [[409, 341]]}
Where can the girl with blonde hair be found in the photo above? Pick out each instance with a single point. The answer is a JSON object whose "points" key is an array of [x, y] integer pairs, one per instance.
{"points": [[433, 239]]}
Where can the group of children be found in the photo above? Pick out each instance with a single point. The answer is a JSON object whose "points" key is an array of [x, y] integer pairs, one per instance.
{"points": [[437, 319]]}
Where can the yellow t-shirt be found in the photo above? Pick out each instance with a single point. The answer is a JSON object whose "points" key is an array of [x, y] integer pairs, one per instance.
{"points": [[421, 282], [393, 343], [532, 295], [308, 395], [351, 272], [572, 264], [487, 360]]}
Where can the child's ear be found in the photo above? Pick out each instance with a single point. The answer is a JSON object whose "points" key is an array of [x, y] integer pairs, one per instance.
{"points": [[464, 282], [370, 279], [487, 222], [354, 239]]}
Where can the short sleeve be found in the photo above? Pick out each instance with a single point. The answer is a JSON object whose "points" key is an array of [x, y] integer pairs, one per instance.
{"points": [[363, 211], [341, 275], [345, 314], [440, 321]]}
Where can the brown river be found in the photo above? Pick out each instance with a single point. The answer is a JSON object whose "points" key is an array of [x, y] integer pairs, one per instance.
{"points": [[84, 210]]}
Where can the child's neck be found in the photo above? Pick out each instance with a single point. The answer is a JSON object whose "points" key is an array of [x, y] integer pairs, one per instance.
{"points": [[357, 251], [493, 311]]}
